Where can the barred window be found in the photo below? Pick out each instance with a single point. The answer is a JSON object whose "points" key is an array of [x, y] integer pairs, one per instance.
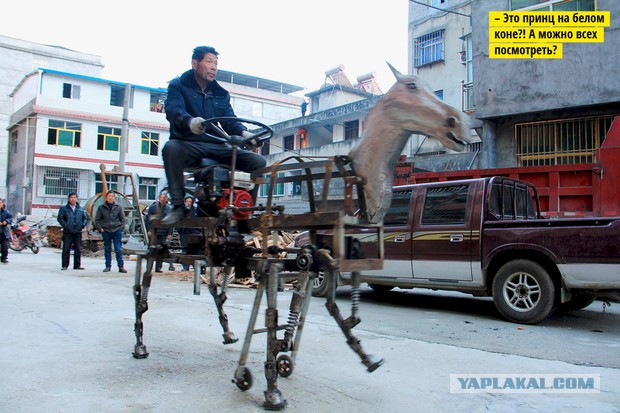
{"points": [[149, 143], [59, 181], [108, 139], [560, 142], [147, 189], [428, 48], [64, 133]]}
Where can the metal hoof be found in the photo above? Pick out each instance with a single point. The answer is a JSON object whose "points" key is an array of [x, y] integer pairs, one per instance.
{"points": [[274, 400], [373, 364], [229, 338], [139, 351]]}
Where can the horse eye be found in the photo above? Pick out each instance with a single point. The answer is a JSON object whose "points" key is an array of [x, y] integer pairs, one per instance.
{"points": [[412, 86]]}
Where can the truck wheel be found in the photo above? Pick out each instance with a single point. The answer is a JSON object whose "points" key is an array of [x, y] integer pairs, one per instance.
{"points": [[319, 285], [523, 292]]}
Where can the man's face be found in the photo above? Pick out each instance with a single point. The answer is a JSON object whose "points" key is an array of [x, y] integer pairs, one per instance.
{"points": [[206, 69], [163, 198], [73, 199], [189, 203], [110, 197]]}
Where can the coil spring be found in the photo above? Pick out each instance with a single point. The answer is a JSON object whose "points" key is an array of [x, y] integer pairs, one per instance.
{"points": [[293, 317], [144, 294], [355, 300], [228, 277]]}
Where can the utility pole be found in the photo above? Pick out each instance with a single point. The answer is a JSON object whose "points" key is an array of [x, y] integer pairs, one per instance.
{"points": [[124, 136]]}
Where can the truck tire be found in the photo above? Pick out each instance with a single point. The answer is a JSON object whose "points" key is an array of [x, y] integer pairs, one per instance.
{"points": [[523, 292], [319, 285]]}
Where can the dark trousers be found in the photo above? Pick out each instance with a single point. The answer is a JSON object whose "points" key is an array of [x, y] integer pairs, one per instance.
{"points": [[72, 241], [4, 246], [179, 155], [161, 240], [115, 238]]}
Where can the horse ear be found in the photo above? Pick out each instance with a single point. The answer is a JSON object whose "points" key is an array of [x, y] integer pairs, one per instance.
{"points": [[397, 74]]}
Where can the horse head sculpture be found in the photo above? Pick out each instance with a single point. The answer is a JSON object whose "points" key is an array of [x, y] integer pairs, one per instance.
{"points": [[408, 107]]}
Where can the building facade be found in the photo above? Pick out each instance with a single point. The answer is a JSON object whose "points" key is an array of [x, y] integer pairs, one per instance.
{"points": [[17, 59], [545, 111], [64, 126]]}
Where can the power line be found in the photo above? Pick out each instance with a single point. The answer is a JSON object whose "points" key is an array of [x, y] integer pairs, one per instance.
{"points": [[437, 8]]}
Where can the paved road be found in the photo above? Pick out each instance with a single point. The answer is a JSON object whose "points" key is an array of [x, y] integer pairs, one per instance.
{"points": [[67, 337]]}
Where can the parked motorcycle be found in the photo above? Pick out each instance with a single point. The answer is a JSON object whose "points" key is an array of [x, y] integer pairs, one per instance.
{"points": [[24, 236]]}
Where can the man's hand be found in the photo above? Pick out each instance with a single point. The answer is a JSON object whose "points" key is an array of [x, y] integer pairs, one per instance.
{"points": [[196, 126], [252, 143]]}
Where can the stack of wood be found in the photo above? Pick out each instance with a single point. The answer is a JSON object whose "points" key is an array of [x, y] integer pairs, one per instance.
{"points": [[54, 235]]}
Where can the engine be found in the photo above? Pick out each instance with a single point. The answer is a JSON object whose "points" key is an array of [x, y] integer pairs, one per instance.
{"points": [[213, 192]]}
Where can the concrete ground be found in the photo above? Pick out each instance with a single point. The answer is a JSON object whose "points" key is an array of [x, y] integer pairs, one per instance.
{"points": [[66, 339]]}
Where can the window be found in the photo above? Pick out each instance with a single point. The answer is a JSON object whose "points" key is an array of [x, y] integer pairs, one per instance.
{"points": [[278, 190], [60, 181], [553, 5], [64, 133], [264, 150], [560, 142], [147, 189], [428, 49], [111, 181], [398, 214], [468, 86], [511, 200], [13, 149], [351, 130], [157, 101], [439, 94], [289, 143], [70, 91], [149, 143], [117, 96], [445, 205], [108, 139]]}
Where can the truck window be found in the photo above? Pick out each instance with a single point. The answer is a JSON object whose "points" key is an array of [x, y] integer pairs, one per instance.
{"points": [[512, 200], [398, 214], [445, 205]]}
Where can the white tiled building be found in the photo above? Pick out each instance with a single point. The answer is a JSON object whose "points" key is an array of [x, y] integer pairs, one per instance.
{"points": [[65, 125]]}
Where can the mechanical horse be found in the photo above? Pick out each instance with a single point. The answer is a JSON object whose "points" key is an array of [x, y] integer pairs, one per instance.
{"points": [[364, 177]]}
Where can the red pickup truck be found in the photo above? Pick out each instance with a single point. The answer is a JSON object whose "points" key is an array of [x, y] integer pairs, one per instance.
{"points": [[486, 237]]}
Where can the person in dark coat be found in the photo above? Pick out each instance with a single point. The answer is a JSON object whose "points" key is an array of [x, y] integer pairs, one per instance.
{"points": [[110, 221], [6, 219], [192, 98], [159, 210], [72, 218]]}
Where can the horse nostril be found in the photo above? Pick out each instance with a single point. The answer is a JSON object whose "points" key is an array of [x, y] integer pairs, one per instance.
{"points": [[451, 121], [451, 135]]}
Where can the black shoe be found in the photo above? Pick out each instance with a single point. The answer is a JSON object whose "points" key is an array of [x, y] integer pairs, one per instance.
{"points": [[5, 261], [78, 268], [123, 270], [159, 270], [177, 214], [107, 269], [63, 268]]}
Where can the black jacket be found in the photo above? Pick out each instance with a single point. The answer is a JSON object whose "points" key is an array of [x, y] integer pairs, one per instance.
{"points": [[155, 211], [186, 101], [72, 222], [5, 215], [110, 218]]}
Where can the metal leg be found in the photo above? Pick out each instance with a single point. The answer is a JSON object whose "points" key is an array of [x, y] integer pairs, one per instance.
{"points": [[307, 278], [368, 360], [140, 291], [220, 298], [273, 396]]}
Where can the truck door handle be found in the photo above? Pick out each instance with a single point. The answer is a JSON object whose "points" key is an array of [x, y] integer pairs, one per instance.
{"points": [[456, 237]]}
